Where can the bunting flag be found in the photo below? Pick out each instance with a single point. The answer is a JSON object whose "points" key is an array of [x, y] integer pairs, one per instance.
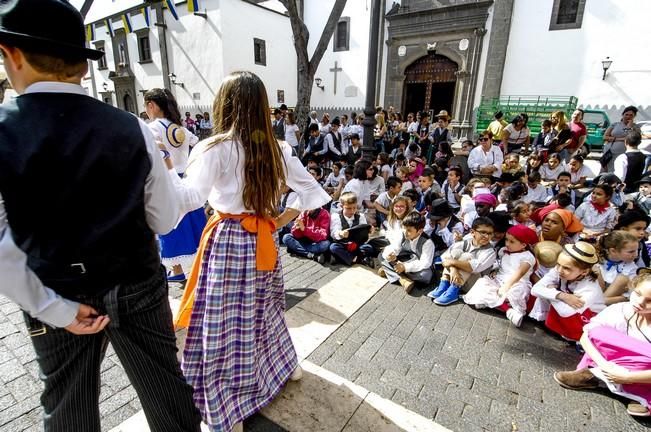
{"points": [[90, 32], [172, 8], [193, 5], [145, 14], [126, 23], [109, 27]]}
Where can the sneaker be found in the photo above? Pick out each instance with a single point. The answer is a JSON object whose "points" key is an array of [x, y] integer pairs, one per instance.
{"points": [[176, 278], [381, 272], [368, 262], [515, 317], [450, 296], [576, 380], [637, 410], [297, 374], [440, 290], [407, 284], [311, 256], [320, 258]]}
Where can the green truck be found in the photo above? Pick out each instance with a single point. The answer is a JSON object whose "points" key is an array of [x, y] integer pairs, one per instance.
{"points": [[539, 108]]}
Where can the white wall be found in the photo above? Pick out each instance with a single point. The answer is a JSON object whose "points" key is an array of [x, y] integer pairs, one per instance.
{"points": [[246, 22], [353, 62], [568, 62]]}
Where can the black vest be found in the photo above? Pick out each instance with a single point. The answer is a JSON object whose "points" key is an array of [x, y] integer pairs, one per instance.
{"points": [[406, 247], [634, 170], [72, 175], [344, 223], [279, 129], [336, 140]]}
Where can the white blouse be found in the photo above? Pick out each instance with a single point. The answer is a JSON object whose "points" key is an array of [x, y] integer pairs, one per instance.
{"points": [[618, 316], [217, 173], [179, 154], [595, 221]]}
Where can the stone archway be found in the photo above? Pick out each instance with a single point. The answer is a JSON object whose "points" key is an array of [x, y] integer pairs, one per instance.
{"points": [[430, 84]]}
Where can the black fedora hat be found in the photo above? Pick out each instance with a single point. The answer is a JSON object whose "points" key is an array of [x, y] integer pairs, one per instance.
{"points": [[440, 209], [52, 27]]}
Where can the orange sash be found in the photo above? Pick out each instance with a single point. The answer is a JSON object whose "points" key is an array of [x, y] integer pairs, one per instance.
{"points": [[265, 256]]}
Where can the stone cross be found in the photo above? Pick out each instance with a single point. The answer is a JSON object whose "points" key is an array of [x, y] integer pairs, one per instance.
{"points": [[335, 70]]}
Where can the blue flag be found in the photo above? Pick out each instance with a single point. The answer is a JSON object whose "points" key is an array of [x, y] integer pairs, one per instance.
{"points": [[172, 8]]}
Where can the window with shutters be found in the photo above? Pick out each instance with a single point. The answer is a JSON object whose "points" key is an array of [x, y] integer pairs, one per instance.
{"points": [[144, 49], [259, 52], [567, 14], [341, 39]]}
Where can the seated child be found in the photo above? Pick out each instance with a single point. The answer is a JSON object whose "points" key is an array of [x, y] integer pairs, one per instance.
{"points": [[427, 187], [520, 211], [309, 236], [403, 174], [551, 169], [412, 261], [287, 200], [569, 295], [544, 138], [443, 224], [617, 345], [511, 164], [597, 215], [464, 262], [508, 287], [636, 222], [618, 251], [502, 223], [643, 196], [384, 200], [484, 204], [335, 179], [345, 251], [452, 188], [536, 192]]}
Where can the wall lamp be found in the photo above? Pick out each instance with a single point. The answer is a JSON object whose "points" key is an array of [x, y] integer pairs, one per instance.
{"points": [[318, 82], [172, 77], [605, 63]]}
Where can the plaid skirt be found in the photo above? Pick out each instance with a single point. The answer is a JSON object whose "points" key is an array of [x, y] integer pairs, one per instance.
{"points": [[238, 353]]}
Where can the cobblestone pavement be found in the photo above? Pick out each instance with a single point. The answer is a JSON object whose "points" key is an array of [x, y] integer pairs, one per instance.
{"points": [[468, 370], [20, 390]]}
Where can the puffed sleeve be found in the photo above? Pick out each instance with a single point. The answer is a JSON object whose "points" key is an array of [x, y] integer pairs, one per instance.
{"points": [[310, 193]]}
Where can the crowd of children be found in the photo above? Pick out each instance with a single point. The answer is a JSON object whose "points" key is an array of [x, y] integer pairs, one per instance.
{"points": [[535, 237]]}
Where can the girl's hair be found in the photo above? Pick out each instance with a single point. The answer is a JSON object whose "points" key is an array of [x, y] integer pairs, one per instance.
{"points": [[608, 189], [375, 171], [629, 217], [555, 156], [516, 207], [360, 170], [517, 190], [578, 158], [517, 119], [392, 217], [562, 122], [384, 158], [166, 102], [631, 108], [471, 185], [240, 114], [291, 117], [403, 169], [615, 239], [446, 149]]}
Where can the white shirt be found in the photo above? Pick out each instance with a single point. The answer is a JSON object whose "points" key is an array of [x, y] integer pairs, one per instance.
{"points": [[583, 172], [621, 164], [18, 281], [539, 194], [413, 127], [335, 223], [426, 256], [361, 189], [549, 174], [617, 316], [586, 289], [377, 186], [593, 220], [627, 269], [330, 143], [179, 155], [217, 173], [290, 135], [483, 258], [334, 181], [395, 235], [478, 158]]}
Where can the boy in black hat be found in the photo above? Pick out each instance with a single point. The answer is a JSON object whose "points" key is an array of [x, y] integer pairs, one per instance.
{"points": [[90, 272], [643, 195]]}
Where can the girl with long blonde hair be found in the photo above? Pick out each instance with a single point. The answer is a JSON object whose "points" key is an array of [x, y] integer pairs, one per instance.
{"points": [[238, 353]]}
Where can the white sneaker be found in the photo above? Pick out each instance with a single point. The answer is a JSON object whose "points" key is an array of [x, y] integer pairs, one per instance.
{"points": [[297, 374], [515, 317]]}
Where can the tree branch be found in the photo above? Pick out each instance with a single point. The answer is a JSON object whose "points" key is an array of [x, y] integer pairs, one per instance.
{"points": [[328, 30], [299, 31]]}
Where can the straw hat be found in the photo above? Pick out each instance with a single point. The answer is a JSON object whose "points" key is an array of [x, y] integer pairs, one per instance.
{"points": [[443, 114], [547, 252], [582, 251]]}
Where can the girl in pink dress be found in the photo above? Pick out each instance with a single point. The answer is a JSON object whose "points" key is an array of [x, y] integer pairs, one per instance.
{"points": [[617, 345]]}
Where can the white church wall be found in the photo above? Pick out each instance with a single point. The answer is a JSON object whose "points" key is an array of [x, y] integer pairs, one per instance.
{"points": [[568, 62], [242, 23], [351, 81]]}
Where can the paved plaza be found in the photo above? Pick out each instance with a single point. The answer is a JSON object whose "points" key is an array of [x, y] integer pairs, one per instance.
{"points": [[376, 359]]}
